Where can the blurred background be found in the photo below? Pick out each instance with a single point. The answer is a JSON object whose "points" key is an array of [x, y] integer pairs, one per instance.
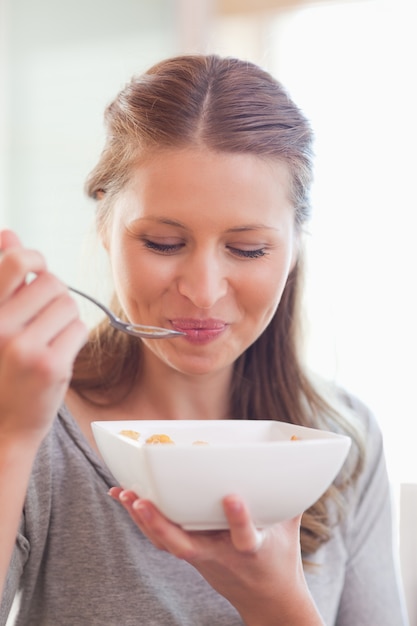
{"points": [[349, 65]]}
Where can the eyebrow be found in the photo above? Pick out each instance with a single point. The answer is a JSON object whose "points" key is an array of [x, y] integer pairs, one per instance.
{"points": [[246, 227], [236, 229]]}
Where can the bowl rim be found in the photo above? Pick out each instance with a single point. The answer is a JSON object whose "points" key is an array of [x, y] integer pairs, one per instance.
{"points": [[328, 437]]}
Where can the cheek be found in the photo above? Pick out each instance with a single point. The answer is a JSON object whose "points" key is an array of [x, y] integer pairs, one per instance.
{"points": [[263, 293], [158, 271], [139, 275]]}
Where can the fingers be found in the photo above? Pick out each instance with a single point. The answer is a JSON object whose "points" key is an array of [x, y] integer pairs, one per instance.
{"points": [[41, 308], [19, 308], [48, 354], [41, 316], [127, 498], [8, 239], [164, 534], [70, 341], [16, 263], [244, 535]]}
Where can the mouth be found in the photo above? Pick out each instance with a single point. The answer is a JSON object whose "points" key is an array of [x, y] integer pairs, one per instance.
{"points": [[199, 330]]}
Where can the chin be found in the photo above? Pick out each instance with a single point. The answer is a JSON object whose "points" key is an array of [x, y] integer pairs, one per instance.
{"points": [[201, 366]]}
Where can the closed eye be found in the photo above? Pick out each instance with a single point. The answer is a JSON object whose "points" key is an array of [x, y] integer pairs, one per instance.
{"points": [[248, 254], [163, 248], [172, 248]]}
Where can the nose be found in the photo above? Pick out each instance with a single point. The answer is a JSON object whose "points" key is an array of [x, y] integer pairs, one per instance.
{"points": [[203, 281]]}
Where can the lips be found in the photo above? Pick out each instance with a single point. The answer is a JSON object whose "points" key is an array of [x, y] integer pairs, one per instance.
{"points": [[190, 323], [199, 330]]}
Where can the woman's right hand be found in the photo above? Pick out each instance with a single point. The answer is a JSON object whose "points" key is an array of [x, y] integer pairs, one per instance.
{"points": [[40, 335]]}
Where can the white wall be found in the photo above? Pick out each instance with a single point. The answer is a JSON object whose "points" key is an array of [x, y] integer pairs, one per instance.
{"points": [[64, 62]]}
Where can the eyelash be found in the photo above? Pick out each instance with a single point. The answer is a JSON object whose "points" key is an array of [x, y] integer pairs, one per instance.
{"points": [[172, 248], [162, 247], [248, 254]]}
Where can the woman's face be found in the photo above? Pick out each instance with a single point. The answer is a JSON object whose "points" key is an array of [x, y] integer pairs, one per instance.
{"points": [[203, 242]]}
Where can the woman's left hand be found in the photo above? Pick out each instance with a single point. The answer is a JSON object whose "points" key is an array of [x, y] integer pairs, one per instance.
{"points": [[260, 572]]}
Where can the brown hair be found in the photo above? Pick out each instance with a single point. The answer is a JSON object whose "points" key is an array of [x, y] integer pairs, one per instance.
{"points": [[223, 105]]}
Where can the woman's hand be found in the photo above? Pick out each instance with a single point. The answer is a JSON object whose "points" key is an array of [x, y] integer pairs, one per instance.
{"points": [[40, 335], [259, 572]]}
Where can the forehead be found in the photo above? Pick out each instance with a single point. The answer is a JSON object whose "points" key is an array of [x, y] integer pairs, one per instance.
{"points": [[203, 181]]}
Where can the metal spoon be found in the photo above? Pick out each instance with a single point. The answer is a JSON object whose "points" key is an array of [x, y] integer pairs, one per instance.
{"points": [[137, 330]]}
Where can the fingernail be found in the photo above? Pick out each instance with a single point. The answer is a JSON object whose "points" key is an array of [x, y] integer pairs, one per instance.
{"points": [[234, 504], [142, 510]]}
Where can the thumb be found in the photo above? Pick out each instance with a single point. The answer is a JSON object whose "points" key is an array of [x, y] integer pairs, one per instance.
{"points": [[8, 239]]}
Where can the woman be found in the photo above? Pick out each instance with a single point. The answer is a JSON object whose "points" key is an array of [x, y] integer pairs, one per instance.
{"points": [[201, 194]]}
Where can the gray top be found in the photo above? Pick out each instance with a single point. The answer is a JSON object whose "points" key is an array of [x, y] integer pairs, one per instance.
{"points": [[79, 560]]}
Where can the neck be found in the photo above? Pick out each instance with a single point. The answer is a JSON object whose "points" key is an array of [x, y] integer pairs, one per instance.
{"points": [[174, 395]]}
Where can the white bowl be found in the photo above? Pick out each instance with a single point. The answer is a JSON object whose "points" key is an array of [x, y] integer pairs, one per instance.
{"points": [[256, 459]]}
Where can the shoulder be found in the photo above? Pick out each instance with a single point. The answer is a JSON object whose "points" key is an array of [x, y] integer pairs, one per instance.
{"points": [[346, 413], [364, 478], [365, 422], [370, 495]]}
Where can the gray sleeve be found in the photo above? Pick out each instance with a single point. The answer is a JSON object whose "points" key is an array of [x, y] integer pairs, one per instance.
{"points": [[17, 564], [31, 537], [372, 593]]}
